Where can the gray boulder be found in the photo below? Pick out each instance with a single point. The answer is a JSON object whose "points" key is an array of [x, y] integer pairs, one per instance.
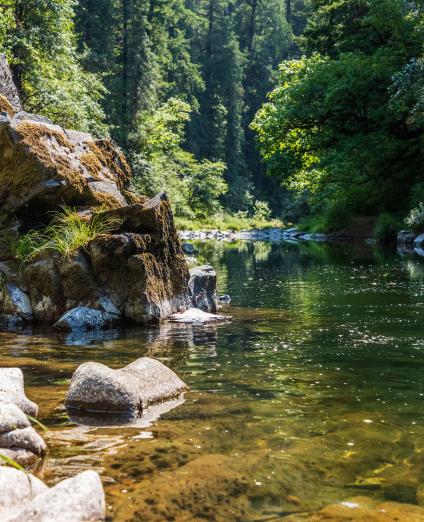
{"points": [[188, 249], [130, 390], [17, 489], [202, 288], [81, 318], [419, 240], [406, 237], [15, 303], [12, 390], [77, 499]]}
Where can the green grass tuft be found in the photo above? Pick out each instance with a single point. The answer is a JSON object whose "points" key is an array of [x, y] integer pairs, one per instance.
{"points": [[66, 235]]}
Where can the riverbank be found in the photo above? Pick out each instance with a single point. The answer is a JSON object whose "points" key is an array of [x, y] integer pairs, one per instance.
{"points": [[225, 222]]}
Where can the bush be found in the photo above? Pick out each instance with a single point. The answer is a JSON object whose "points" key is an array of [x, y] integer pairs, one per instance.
{"points": [[334, 217], [387, 227]]}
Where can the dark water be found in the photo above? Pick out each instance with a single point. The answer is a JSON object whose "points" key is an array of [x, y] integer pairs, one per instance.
{"points": [[313, 394]]}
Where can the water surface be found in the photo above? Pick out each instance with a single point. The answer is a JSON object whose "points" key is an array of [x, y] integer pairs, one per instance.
{"points": [[313, 394]]}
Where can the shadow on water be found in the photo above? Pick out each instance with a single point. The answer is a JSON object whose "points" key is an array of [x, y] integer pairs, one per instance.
{"points": [[312, 394]]}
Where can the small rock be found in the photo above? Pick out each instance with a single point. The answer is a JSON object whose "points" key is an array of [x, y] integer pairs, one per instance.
{"points": [[188, 249], [81, 318], [406, 237], [12, 418], [226, 299], [12, 390], [196, 316], [77, 499], [202, 288], [25, 438], [98, 388]]}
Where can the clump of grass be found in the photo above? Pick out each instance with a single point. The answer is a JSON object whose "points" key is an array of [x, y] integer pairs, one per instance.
{"points": [[67, 234]]}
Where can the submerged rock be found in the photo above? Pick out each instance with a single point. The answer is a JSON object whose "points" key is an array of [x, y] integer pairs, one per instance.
{"points": [[98, 388], [362, 509], [77, 499], [202, 287]]}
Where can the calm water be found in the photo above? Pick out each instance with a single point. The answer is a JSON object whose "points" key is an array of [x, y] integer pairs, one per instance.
{"points": [[313, 394]]}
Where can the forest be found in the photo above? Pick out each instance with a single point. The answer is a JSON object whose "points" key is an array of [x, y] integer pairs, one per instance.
{"points": [[304, 110]]}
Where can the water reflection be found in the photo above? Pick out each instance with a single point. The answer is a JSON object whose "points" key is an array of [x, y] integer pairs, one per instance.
{"points": [[312, 394]]}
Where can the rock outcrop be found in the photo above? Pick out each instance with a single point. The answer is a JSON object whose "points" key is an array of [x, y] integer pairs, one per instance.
{"points": [[129, 390], [135, 272], [25, 498]]}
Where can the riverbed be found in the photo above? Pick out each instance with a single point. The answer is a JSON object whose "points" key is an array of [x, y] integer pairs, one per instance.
{"points": [[314, 393]]}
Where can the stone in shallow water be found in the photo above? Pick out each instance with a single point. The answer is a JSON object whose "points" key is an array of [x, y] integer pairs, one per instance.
{"points": [[77, 499], [25, 438], [12, 418], [196, 316], [12, 390], [81, 318], [17, 489], [202, 288], [98, 388]]}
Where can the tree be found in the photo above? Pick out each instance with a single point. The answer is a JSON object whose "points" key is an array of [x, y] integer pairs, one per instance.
{"points": [[40, 43], [331, 126], [194, 187]]}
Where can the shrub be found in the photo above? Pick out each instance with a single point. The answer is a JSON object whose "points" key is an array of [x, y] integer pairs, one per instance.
{"points": [[387, 227]]}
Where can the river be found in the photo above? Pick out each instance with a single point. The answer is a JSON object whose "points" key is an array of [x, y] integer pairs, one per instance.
{"points": [[311, 395]]}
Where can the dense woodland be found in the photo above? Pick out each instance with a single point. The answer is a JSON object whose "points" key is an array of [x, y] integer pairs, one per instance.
{"points": [[309, 109]]}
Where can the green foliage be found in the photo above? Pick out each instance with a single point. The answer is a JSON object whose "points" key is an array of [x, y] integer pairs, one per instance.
{"points": [[224, 221], [331, 218], [194, 187], [39, 40], [344, 123], [387, 227]]}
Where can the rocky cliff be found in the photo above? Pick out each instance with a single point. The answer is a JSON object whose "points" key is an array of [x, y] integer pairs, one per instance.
{"points": [[135, 270]]}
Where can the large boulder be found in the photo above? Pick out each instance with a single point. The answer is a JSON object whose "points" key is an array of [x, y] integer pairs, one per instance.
{"points": [[129, 390], [25, 498], [138, 267], [202, 288]]}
